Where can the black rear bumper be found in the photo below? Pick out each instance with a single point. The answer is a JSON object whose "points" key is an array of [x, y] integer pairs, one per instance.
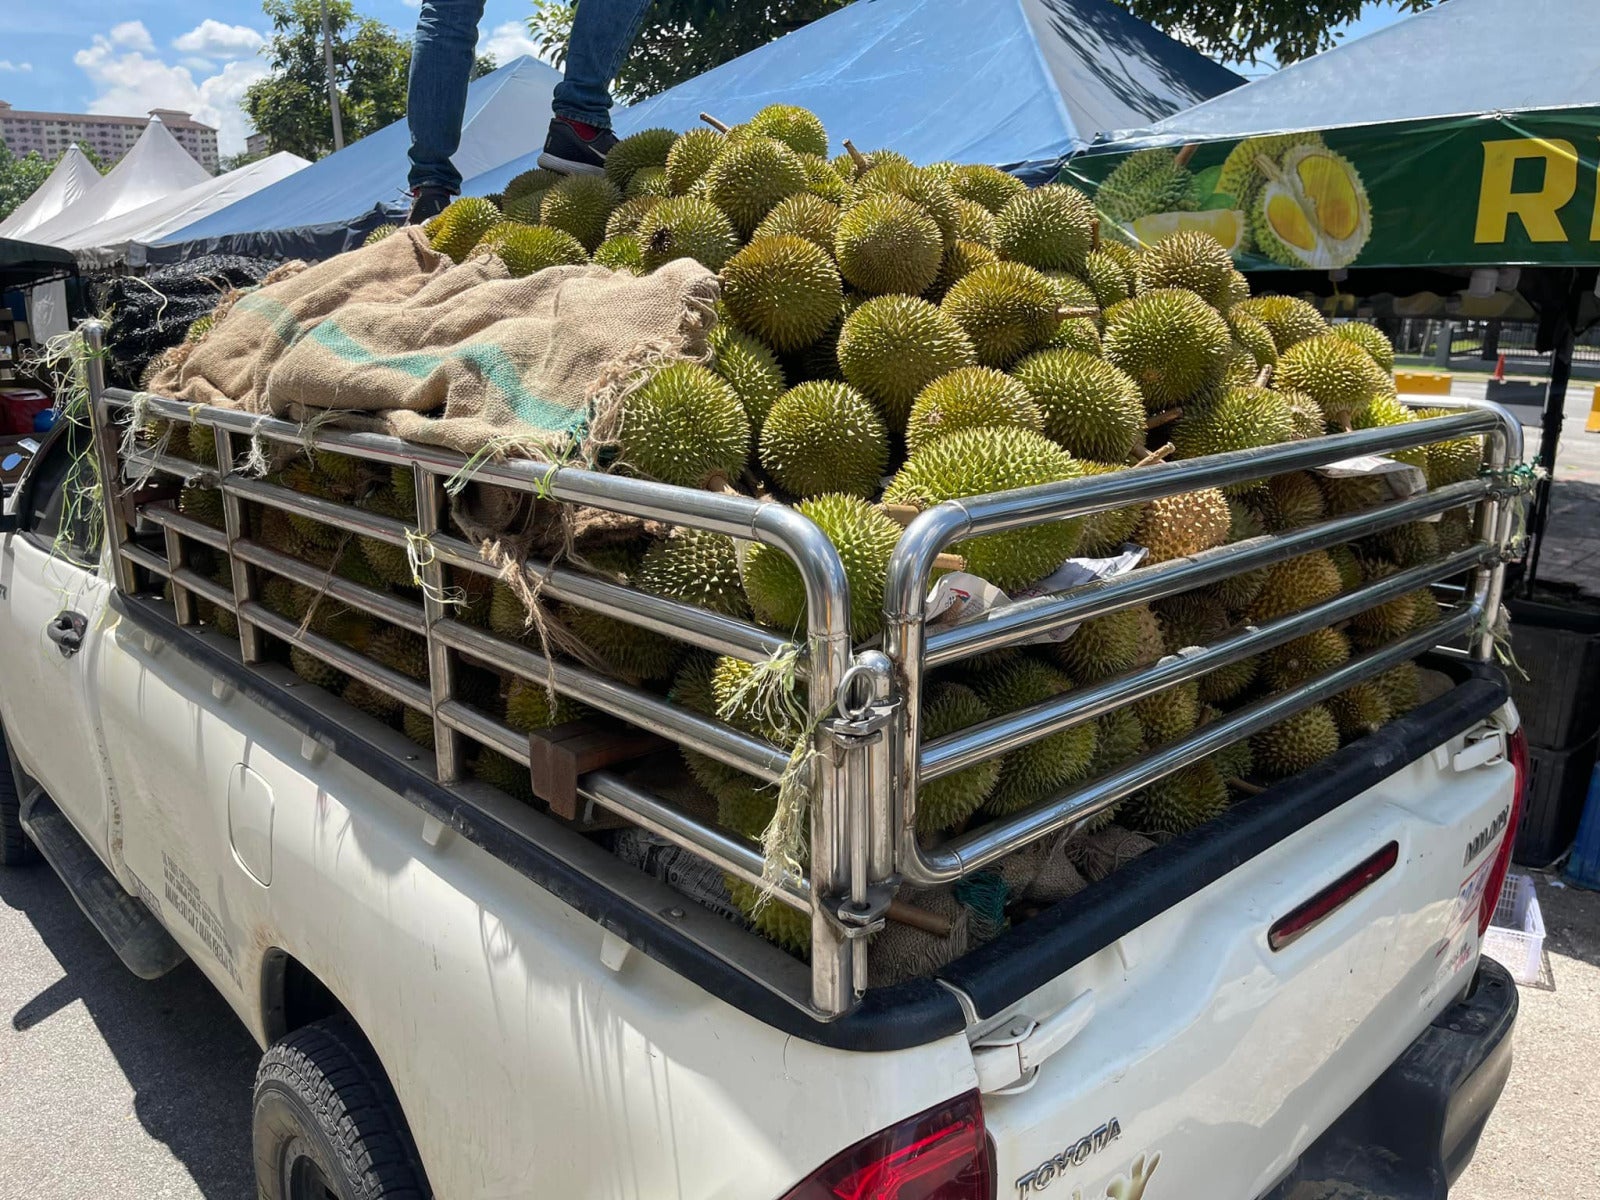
{"points": [[1412, 1133]]}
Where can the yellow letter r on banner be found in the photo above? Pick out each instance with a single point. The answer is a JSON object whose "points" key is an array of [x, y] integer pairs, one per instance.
{"points": [[1497, 203]]}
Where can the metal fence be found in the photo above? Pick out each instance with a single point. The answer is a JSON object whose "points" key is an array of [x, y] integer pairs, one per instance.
{"points": [[864, 703]]}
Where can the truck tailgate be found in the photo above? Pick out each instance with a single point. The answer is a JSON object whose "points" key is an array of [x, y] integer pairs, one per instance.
{"points": [[1225, 1058]]}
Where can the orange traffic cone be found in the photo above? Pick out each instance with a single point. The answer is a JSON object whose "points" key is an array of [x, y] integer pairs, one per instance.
{"points": [[1500, 370]]}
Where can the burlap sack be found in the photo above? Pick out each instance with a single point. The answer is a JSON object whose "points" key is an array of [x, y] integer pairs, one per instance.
{"points": [[900, 952], [472, 361], [1101, 853], [230, 367]]}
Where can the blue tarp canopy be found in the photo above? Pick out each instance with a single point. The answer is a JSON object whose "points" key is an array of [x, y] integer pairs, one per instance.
{"points": [[332, 204], [1019, 84]]}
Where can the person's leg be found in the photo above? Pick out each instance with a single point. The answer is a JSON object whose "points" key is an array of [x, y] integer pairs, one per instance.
{"points": [[436, 92], [602, 33]]}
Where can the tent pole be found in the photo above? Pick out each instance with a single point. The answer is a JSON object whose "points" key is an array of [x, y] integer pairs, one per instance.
{"points": [[1555, 403], [333, 87]]}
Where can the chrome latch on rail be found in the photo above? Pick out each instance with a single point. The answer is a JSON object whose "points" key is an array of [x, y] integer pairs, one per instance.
{"points": [[866, 918]]}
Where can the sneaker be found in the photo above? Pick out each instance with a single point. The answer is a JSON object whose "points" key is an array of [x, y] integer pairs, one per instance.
{"points": [[574, 148], [427, 203]]}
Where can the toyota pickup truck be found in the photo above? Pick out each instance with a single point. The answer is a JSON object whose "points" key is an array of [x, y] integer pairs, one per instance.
{"points": [[462, 994]]}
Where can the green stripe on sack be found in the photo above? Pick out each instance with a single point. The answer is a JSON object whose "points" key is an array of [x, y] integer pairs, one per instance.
{"points": [[281, 320], [490, 361]]}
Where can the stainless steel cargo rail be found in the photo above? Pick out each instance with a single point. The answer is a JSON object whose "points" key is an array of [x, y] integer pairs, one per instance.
{"points": [[865, 704]]}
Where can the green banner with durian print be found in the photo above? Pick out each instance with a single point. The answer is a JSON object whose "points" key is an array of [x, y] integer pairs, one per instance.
{"points": [[1503, 189]]}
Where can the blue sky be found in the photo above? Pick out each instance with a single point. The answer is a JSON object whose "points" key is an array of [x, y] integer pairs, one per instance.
{"points": [[76, 56]]}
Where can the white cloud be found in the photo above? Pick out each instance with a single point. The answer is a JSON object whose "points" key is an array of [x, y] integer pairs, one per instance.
{"points": [[213, 39], [199, 66], [508, 41], [132, 35], [131, 83], [7, 65], [412, 3]]}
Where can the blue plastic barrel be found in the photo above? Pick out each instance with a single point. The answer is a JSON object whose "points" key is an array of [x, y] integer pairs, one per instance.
{"points": [[1583, 867]]}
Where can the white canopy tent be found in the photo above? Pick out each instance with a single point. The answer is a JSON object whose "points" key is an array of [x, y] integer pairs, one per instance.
{"points": [[156, 167], [72, 178], [123, 239]]}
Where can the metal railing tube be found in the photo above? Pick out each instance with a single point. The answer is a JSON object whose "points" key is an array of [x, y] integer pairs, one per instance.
{"points": [[1100, 493], [1016, 623], [199, 531], [441, 659], [103, 430], [1003, 734], [685, 622], [722, 742], [401, 687], [736, 857], [182, 601], [210, 589], [139, 556], [982, 847], [393, 609], [345, 517], [197, 474]]}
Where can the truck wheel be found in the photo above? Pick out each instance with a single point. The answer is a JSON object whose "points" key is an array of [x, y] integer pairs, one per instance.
{"points": [[15, 848], [327, 1124]]}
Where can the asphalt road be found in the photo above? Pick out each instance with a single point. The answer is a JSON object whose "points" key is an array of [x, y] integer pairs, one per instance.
{"points": [[110, 1085]]}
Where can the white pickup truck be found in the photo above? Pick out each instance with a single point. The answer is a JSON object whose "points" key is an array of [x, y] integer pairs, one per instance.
{"points": [[459, 994]]}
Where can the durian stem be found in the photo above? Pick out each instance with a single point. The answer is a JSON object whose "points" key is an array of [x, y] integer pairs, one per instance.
{"points": [[1155, 456], [901, 514], [860, 159], [1185, 154], [918, 918], [714, 123], [949, 562], [1265, 377], [1245, 786], [718, 482], [1069, 311], [1163, 418]]}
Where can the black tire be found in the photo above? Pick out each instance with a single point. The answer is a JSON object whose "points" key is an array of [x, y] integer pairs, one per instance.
{"points": [[15, 848], [327, 1123]]}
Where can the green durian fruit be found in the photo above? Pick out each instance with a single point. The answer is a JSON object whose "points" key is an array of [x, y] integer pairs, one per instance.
{"points": [[1106, 533], [925, 190], [1242, 418], [972, 462], [986, 185], [1169, 714], [891, 347], [786, 927], [797, 128], [750, 369], [580, 205], [1336, 373], [455, 232], [1050, 227], [1196, 261], [690, 157], [1171, 342], [886, 244], [802, 215], [1298, 583], [864, 537], [1041, 769], [696, 567], [1103, 646], [1371, 339], [1006, 309], [1296, 743], [1360, 709], [1317, 653], [1090, 407], [974, 223], [647, 148], [1179, 802], [945, 803], [750, 176], [686, 227], [1288, 319], [960, 260], [824, 437], [526, 249], [970, 398], [626, 216], [685, 425], [784, 290], [621, 253]]}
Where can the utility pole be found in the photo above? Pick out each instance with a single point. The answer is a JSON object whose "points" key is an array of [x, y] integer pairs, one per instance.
{"points": [[333, 88]]}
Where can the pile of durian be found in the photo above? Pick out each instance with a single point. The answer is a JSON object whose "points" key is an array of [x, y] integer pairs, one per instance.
{"points": [[889, 337]]}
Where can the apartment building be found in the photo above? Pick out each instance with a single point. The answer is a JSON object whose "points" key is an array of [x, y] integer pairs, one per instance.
{"points": [[50, 133]]}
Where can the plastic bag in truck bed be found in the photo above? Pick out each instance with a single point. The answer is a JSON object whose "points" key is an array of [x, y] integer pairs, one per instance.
{"points": [[451, 355]]}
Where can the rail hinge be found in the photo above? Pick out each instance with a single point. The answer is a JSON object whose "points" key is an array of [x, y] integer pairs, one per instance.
{"points": [[861, 727]]}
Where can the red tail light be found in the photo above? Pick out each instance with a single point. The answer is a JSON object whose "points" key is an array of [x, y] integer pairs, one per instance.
{"points": [[1305, 917], [1517, 752], [942, 1154]]}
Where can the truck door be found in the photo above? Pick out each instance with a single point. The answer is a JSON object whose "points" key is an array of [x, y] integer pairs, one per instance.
{"points": [[52, 607]]}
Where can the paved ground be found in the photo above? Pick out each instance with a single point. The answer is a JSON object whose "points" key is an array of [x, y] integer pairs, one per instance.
{"points": [[110, 1085]]}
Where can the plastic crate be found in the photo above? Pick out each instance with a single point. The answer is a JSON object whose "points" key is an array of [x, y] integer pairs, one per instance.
{"points": [[1558, 648], [1583, 868], [1558, 783], [1515, 938]]}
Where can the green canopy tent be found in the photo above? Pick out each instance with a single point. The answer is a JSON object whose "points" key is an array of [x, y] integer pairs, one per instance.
{"points": [[1464, 140]]}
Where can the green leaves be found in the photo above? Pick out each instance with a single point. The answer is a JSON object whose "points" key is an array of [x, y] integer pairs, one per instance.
{"points": [[1242, 31]]}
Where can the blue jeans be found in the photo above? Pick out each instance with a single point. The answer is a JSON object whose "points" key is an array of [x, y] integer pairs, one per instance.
{"points": [[441, 60]]}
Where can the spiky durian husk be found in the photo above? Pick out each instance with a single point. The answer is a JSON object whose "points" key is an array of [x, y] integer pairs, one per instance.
{"points": [[750, 369], [961, 259], [1360, 709], [1298, 583], [1091, 407], [1288, 318], [1037, 771], [630, 651], [970, 398], [778, 717], [774, 920], [1196, 261], [371, 701], [625, 218], [1120, 739], [685, 425], [690, 157], [456, 230], [1296, 743], [1006, 309], [1049, 227], [986, 185], [1241, 418], [864, 537], [1170, 713], [1179, 802], [647, 148], [803, 215], [530, 706], [1185, 524], [824, 437], [1237, 591], [581, 205], [750, 176], [891, 347], [784, 290], [886, 244], [973, 462], [1289, 501], [1337, 374], [1304, 658], [1371, 339], [621, 253], [692, 689], [974, 223], [1409, 545], [696, 567], [945, 803], [1171, 342], [1148, 181], [1106, 533], [1107, 278], [1103, 646], [496, 770], [686, 227], [204, 504], [1402, 686], [314, 671]]}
